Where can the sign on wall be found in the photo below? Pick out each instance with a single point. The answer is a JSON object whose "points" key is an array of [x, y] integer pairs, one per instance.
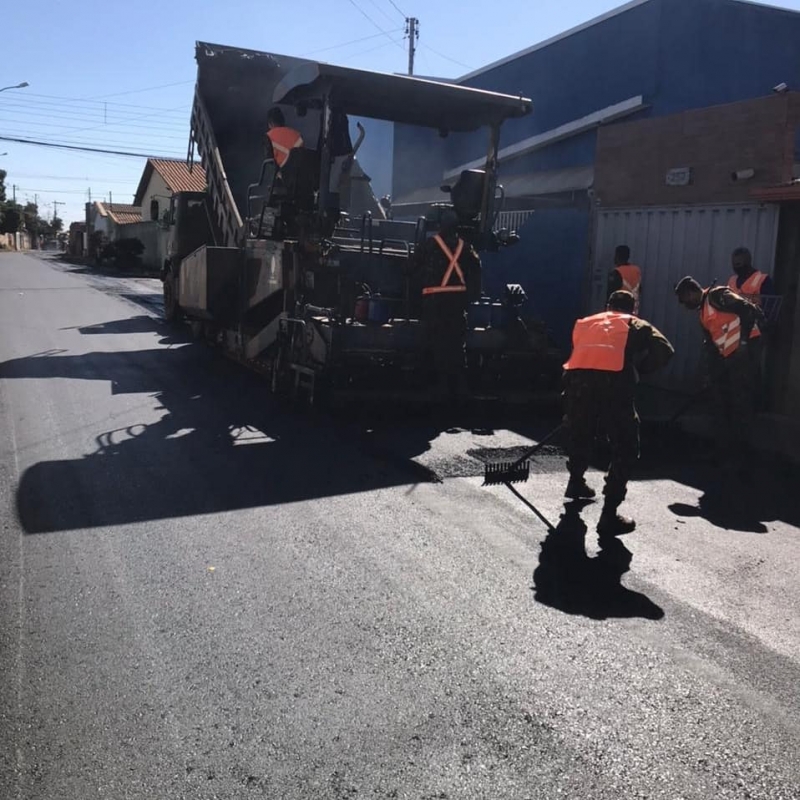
{"points": [[679, 176]]}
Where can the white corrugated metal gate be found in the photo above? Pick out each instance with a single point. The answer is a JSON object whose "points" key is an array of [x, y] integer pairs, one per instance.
{"points": [[668, 243]]}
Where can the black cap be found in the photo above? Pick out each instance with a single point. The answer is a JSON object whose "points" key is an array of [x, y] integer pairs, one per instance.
{"points": [[622, 301], [686, 284]]}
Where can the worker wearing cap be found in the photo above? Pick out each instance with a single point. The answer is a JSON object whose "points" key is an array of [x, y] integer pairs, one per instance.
{"points": [[625, 276], [282, 139], [731, 327], [450, 273], [748, 282], [609, 351]]}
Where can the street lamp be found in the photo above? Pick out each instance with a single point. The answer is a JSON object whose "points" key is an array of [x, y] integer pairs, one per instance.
{"points": [[18, 86]]}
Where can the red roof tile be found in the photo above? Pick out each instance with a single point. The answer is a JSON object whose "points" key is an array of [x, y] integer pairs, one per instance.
{"points": [[176, 175], [121, 213]]}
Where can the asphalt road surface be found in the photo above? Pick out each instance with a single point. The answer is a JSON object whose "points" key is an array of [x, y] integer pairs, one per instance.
{"points": [[204, 595]]}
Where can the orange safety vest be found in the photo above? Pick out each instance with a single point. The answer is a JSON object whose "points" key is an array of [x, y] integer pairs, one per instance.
{"points": [[631, 280], [452, 266], [723, 327], [284, 140], [599, 342], [751, 288]]}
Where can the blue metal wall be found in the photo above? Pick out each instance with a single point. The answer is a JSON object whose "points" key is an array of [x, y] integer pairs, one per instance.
{"points": [[552, 240], [677, 54]]}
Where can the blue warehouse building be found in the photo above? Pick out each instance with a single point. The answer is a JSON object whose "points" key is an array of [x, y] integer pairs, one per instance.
{"points": [[648, 58]]}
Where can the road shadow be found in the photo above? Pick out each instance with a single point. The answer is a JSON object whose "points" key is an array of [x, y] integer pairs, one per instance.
{"points": [[744, 499], [170, 334], [221, 443], [569, 580]]}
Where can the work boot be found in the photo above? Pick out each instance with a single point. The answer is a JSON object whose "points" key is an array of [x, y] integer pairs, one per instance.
{"points": [[578, 489], [614, 524]]}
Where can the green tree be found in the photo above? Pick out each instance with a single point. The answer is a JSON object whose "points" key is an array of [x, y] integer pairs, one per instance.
{"points": [[11, 217], [3, 174]]}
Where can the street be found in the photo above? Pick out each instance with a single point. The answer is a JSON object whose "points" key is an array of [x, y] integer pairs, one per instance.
{"points": [[205, 594]]}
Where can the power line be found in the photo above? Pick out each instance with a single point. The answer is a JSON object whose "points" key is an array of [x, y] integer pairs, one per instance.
{"points": [[346, 44], [70, 101], [71, 178], [370, 50], [372, 21], [83, 149], [66, 139], [55, 191], [380, 10], [69, 131], [138, 91], [38, 111], [446, 58], [402, 14]]}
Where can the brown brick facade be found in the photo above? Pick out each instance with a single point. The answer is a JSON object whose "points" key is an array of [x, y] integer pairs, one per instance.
{"points": [[633, 158]]}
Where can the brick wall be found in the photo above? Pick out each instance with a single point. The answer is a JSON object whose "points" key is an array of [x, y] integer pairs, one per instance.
{"points": [[633, 159]]}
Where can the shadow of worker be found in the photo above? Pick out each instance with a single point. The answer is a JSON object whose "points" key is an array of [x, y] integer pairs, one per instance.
{"points": [[569, 580]]}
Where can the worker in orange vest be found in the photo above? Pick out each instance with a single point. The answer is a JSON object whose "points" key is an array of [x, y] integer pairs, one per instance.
{"points": [[282, 139], [449, 271], [732, 338], [609, 351], [750, 283], [625, 276]]}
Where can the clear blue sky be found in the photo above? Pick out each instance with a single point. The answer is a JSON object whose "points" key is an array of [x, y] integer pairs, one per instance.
{"points": [[120, 75]]}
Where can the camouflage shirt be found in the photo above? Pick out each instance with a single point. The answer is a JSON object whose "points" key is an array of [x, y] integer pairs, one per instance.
{"points": [[723, 299], [647, 349]]}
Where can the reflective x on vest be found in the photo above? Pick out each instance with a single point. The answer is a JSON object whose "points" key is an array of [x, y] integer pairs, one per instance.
{"points": [[599, 342], [724, 328], [452, 266], [751, 288], [631, 277], [284, 140]]}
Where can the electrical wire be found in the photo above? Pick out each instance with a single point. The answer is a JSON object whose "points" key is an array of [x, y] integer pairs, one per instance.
{"points": [[29, 175], [447, 58], [370, 50], [58, 114], [84, 149], [69, 131], [139, 91], [346, 44], [372, 21], [101, 141], [96, 105], [404, 16], [381, 11]]}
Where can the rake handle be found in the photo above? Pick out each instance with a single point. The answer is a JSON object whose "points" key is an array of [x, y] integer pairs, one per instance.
{"points": [[535, 449]]}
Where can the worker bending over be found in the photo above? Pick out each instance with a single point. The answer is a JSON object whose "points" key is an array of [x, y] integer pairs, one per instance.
{"points": [[609, 350], [732, 339]]}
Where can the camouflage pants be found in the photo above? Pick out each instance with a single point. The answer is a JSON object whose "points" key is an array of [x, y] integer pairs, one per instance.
{"points": [[601, 404], [735, 386]]}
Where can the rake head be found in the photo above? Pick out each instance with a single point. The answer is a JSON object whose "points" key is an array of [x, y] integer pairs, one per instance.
{"points": [[506, 472]]}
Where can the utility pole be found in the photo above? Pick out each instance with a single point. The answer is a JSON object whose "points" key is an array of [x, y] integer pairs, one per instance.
{"points": [[412, 31], [14, 192], [56, 204]]}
